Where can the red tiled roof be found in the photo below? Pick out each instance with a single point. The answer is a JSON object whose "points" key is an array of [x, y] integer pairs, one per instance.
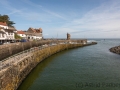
{"points": [[20, 32], [3, 23]]}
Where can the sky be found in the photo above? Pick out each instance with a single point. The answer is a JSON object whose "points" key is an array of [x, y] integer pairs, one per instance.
{"points": [[80, 18]]}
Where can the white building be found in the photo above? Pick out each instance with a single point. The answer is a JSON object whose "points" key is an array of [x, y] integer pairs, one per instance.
{"points": [[21, 34], [9, 34], [34, 33], [33, 36], [2, 35], [4, 25], [5, 32]]}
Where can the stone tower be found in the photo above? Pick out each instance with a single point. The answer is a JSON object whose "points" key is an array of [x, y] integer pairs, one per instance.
{"points": [[68, 36]]}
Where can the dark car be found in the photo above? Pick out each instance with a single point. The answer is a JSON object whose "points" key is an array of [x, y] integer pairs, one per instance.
{"points": [[23, 40], [1, 43]]}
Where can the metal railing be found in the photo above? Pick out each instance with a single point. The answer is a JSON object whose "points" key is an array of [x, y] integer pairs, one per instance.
{"points": [[18, 56]]}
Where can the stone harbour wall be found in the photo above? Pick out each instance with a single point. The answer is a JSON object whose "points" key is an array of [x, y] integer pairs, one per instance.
{"points": [[11, 49], [12, 75]]}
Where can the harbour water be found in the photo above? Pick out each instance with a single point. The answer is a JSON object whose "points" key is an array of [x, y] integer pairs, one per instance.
{"points": [[86, 68]]}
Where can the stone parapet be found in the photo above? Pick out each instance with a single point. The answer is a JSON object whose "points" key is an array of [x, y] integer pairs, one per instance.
{"points": [[11, 49]]}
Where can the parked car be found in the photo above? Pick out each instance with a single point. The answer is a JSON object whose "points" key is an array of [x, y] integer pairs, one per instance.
{"points": [[1, 43], [6, 43], [12, 42], [23, 40]]}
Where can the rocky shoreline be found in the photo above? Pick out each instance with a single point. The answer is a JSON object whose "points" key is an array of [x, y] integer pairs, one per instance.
{"points": [[115, 49]]}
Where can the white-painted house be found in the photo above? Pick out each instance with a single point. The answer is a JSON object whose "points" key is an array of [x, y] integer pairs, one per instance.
{"points": [[21, 34], [2, 35], [34, 33], [9, 34], [4, 25], [5, 32]]}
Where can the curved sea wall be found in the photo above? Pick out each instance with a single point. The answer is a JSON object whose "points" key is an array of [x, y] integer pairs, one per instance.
{"points": [[115, 49], [11, 49], [14, 70]]}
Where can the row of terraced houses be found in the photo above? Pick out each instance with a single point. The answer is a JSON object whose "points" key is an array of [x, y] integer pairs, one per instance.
{"points": [[8, 33]]}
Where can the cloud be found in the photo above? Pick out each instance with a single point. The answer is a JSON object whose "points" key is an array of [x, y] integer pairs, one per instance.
{"points": [[31, 3], [34, 13], [46, 34], [104, 17], [103, 20], [53, 13], [6, 4], [44, 9]]}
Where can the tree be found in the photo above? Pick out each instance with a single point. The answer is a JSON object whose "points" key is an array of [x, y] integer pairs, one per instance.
{"points": [[5, 18], [10, 23]]}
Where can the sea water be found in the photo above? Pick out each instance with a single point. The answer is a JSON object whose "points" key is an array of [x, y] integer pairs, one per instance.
{"points": [[86, 68]]}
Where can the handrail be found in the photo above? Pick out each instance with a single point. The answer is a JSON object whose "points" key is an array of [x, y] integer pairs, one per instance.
{"points": [[18, 56]]}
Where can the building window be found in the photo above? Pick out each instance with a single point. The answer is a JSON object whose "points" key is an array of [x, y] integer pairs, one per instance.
{"points": [[2, 35]]}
